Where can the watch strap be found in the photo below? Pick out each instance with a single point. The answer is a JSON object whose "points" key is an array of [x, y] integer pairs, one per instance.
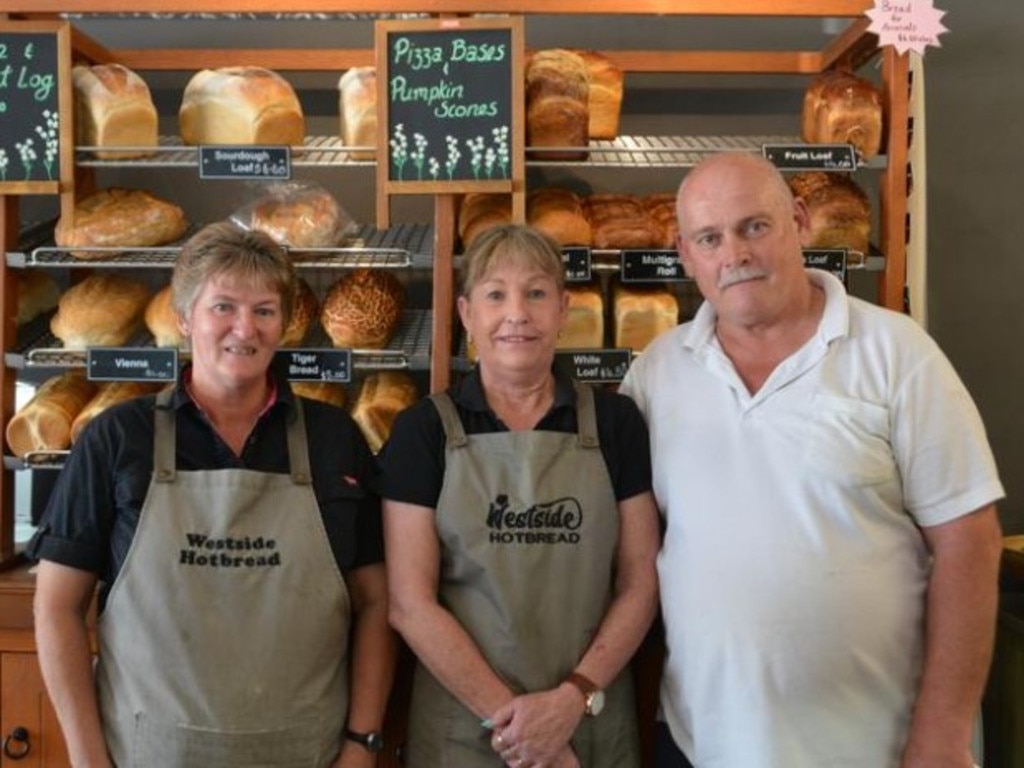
{"points": [[372, 741], [587, 687]]}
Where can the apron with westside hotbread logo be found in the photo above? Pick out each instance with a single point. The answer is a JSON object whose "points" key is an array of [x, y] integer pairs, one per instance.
{"points": [[529, 528], [224, 639]]}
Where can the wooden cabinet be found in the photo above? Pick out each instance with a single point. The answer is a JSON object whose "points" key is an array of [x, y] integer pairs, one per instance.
{"points": [[28, 723]]}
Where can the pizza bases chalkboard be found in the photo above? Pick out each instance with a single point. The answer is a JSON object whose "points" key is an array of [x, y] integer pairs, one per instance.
{"points": [[450, 105], [35, 106]]}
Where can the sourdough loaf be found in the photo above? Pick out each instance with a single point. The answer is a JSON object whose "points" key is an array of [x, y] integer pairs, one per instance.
{"points": [[357, 108], [839, 210], [363, 308], [642, 314], [297, 216], [119, 218], [840, 107], [557, 114], [113, 108], [44, 423], [103, 310], [382, 396]]}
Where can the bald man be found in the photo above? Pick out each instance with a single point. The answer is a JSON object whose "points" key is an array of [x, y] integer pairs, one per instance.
{"points": [[830, 564]]}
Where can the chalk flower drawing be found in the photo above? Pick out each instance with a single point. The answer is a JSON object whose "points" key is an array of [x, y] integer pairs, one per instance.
{"points": [[3, 165], [28, 155], [399, 148], [48, 134]]}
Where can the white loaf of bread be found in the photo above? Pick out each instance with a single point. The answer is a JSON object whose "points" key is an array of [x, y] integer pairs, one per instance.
{"points": [[357, 109], [113, 108], [584, 327], [641, 315]]}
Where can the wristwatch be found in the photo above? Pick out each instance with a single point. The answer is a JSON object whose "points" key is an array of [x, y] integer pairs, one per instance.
{"points": [[593, 697], [372, 741]]}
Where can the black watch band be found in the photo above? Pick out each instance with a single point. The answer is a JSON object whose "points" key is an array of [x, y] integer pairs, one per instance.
{"points": [[372, 741]]}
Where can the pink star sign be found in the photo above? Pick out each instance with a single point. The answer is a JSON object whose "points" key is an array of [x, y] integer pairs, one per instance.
{"points": [[909, 25]]}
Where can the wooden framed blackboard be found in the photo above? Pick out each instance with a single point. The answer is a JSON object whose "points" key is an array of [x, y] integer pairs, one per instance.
{"points": [[36, 146], [450, 107]]}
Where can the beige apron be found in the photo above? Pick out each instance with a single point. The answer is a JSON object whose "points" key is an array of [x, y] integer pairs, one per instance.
{"points": [[224, 639], [529, 527]]}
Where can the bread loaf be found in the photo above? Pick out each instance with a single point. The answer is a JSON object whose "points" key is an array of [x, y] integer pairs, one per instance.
{"points": [[44, 423], [557, 114], [329, 392], [604, 94], [558, 213], [109, 394], [840, 107], [102, 310], [119, 218], [240, 105], [584, 327], [113, 108], [661, 207], [382, 396], [162, 319], [620, 221], [838, 209], [37, 293], [357, 107], [307, 218], [363, 308], [642, 314], [304, 311], [479, 212]]}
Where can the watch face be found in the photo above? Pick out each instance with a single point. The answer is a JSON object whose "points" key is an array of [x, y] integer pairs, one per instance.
{"points": [[596, 702], [374, 742]]}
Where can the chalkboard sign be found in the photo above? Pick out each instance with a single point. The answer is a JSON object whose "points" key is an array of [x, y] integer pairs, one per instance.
{"points": [[34, 102], [450, 101]]}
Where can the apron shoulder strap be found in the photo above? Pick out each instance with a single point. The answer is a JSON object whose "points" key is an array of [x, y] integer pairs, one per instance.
{"points": [[455, 434], [164, 438], [586, 416], [298, 446]]}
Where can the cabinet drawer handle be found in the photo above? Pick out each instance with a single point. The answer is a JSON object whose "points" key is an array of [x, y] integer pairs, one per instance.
{"points": [[16, 744]]}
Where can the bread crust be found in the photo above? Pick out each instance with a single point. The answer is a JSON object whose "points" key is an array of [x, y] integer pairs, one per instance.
{"points": [[113, 108], [362, 309], [44, 422], [357, 110], [642, 314], [119, 218], [382, 396], [840, 107], [101, 310]]}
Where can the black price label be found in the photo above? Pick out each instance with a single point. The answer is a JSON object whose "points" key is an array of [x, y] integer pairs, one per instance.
{"points": [[220, 162], [811, 157], [316, 364], [131, 364], [577, 264], [828, 259], [595, 366], [29, 107], [449, 94], [661, 266]]}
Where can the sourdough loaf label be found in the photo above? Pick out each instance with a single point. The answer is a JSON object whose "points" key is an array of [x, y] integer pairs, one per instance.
{"points": [[316, 364], [828, 259], [595, 366], [131, 364], [221, 162], [811, 157], [642, 266], [576, 261]]}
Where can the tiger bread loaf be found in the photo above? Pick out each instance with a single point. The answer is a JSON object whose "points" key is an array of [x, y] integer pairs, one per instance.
{"points": [[839, 211], [304, 311], [558, 213], [641, 314], [296, 215], [584, 326], [841, 108], [620, 221], [161, 319], [382, 396], [357, 109], [362, 309], [113, 108], [119, 218], [103, 310], [557, 111], [109, 394], [240, 105], [38, 293], [44, 422], [604, 94], [330, 392], [479, 212]]}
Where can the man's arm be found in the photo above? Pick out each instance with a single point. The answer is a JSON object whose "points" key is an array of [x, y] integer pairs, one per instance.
{"points": [[963, 596]]}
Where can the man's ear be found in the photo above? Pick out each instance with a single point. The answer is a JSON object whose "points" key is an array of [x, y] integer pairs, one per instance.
{"points": [[802, 218], [684, 256]]}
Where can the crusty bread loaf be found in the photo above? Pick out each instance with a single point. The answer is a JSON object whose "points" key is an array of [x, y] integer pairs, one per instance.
{"points": [[109, 394], [304, 311], [620, 221], [382, 396], [479, 212], [240, 105], [330, 392], [557, 114], [44, 423], [558, 213], [113, 108], [104, 310], [357, 108], [840, 107], [839, 210], [162, 319], [363, 308], [604, 94], [311, 218], [37, 293], [642, 314], [661, 207], [119, 218], [584, 327]]}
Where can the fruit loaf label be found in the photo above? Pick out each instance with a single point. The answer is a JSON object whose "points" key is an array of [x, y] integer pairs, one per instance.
{"points": [[828, 259], [595, 366], [661, 266], [220, 162], [811, 157], [131, 364], [315, 364], [577, 264]]}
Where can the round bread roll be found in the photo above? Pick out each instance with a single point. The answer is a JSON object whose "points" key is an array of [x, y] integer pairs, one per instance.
{"points": [[104, 310], [44, 423], [162, 320], [330, 392], [303, 313], [362, 309], [38, 292], [109, 394]]}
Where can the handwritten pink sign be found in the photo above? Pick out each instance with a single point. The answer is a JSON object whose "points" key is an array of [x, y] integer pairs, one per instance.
{"points": [[909, 25]]}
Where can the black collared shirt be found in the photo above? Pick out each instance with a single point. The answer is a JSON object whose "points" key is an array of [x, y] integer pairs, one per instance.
{"points": [[94, 510], [412, 461]]}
